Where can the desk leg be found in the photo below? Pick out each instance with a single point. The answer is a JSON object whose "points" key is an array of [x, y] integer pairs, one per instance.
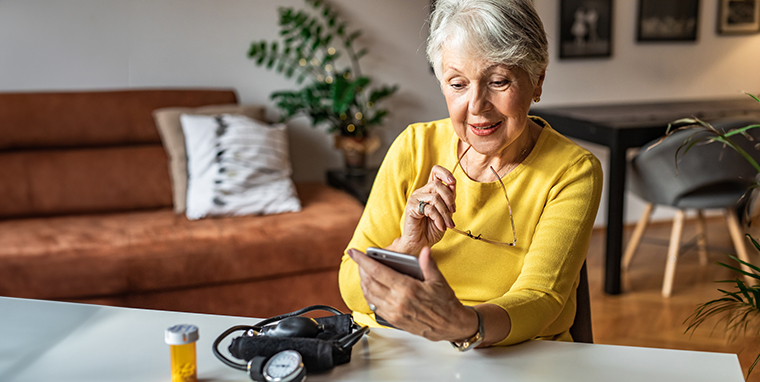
{"points": [[615, 211]]}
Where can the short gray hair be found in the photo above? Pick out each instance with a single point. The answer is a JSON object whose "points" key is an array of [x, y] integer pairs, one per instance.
{"points": [[508, 32]]}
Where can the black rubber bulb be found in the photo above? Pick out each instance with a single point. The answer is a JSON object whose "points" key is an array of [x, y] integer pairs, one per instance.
{"points": [[295, 327]]}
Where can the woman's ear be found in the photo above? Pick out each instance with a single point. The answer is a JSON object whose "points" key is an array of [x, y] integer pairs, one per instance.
{"points": [[539, 85]]}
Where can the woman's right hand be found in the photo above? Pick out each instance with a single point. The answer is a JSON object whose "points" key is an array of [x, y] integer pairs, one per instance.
{"points": [[427, 228]]}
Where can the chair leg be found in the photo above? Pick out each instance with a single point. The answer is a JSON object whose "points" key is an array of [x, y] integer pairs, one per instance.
{"points": [[638, 232], [702, 237], [675, 245], [737, 236]]}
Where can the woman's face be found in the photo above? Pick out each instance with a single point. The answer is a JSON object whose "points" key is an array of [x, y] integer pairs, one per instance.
{"points": [[488, 103]]}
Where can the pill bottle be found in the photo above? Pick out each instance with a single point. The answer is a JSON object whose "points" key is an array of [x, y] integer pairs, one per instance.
{"points": [[181, 340]]}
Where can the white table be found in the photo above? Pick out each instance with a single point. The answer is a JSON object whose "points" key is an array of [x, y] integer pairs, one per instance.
{"points": [[53, 341]]}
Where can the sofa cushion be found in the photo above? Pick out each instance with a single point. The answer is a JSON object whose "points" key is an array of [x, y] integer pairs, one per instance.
{"points": [[170, 129], [54, 182], [237, 166], [111, 254], [89, 119]]}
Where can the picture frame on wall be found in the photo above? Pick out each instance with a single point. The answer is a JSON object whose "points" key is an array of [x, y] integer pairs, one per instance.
{"points": [[672, 20], [738, 16], [585, 28]]}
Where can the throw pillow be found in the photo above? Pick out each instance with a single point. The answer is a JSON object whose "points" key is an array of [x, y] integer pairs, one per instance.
{"points": [[237, 166], [170, 130]]}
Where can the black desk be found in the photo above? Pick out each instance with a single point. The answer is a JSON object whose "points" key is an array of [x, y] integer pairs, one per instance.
{"points": [[624, 126]]}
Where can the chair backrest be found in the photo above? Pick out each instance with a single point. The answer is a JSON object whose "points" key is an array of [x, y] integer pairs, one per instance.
{"points": [[710, 175], [582, 330]]}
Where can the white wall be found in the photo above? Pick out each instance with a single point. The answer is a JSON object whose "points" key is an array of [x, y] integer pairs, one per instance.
{"points": [[106, 44]]}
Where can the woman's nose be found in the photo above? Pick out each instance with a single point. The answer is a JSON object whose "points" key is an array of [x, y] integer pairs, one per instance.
{"points": [[479, 101]]}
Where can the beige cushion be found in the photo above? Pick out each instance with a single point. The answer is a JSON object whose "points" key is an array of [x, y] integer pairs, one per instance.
{"points": [[170, 130]]}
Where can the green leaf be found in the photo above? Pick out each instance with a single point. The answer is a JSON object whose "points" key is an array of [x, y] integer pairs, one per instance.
{"points": [[742, 130], [362, 53], [354, 36], [377, 118], [743, 272], [382, 93]]}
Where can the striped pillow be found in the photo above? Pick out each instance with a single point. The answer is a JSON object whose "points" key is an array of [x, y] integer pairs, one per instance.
{"points": [[236, 166]]}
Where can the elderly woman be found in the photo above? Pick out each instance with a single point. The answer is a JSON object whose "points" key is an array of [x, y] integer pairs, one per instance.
{"points": [[498, 206]]}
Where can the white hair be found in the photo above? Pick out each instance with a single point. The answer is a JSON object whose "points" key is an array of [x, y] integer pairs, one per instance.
{"points": [[507, 32]]}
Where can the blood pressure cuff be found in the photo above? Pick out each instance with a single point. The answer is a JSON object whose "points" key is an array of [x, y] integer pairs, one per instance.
{"points": [[319, 354]]}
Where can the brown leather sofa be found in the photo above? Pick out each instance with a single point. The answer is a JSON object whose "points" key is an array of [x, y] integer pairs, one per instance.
{"points": [[86, 216]]}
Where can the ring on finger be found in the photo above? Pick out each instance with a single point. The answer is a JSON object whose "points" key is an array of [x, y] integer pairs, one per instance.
{"points": [[372, 307], [421, 207]]}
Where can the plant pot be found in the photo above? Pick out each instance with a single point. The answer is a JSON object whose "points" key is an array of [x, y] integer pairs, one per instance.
{"points": [[355, 151]]}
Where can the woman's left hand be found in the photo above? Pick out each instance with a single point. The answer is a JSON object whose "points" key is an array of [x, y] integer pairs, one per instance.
{"points": [[427, 308]]}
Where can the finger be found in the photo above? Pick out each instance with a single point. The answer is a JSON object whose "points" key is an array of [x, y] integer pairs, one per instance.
{"points": [[429, 267], [442, 175], [437, 210], [447, 195], [372, 289], [375, 271], [445, 183]]}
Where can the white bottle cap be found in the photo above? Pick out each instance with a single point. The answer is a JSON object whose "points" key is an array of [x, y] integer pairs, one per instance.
{"points": [[181, 334]]}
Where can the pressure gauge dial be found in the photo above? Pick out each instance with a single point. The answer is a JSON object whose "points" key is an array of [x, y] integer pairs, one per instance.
{"points": [[285, 366]]}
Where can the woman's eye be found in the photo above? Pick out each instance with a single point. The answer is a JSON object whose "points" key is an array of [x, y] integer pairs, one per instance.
{"points": [[500, 83], [456, 86]]}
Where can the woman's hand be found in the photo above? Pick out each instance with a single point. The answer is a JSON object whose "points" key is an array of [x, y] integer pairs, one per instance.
{"points": [[425, 224], [426, 308]]}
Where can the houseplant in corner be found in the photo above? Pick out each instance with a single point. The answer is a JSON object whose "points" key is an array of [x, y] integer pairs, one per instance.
{"points": [[314, 46], [737, 309]]}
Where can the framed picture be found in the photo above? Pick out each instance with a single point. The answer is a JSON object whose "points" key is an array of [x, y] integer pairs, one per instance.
{"points": [[738, 16], [585, 28], [672, 20]]}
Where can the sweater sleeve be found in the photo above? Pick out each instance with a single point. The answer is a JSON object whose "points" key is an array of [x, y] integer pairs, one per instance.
{"points": [[558, 248], [381, 221]]}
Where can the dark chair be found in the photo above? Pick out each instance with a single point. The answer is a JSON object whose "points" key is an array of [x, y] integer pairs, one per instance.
{"points": [[581, 329], [709, 176]]}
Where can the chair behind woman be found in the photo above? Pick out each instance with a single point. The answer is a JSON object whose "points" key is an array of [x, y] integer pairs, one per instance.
{"points": [[709, 176]]}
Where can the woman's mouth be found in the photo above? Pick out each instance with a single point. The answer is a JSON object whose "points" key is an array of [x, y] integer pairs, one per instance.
{"points": [[482, 129]]}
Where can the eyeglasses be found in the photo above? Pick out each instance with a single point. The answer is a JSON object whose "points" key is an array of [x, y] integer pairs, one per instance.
{"points": [[469, 233]]}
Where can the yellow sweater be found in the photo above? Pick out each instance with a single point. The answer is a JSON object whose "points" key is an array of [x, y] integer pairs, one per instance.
{"points": [[554, 195]]}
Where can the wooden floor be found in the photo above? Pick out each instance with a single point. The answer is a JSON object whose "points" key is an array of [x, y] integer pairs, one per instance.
{"points": [[640, 316]]}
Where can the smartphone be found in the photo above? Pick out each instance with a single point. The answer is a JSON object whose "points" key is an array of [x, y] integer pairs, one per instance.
{"points": [[400, 262]]}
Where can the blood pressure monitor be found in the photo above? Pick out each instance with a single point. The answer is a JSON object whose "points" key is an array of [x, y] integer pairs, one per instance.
{"points": [[285, 366]]}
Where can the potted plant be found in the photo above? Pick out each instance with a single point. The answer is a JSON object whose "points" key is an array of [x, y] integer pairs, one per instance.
{"points": [[738, 309], [313, 45]]}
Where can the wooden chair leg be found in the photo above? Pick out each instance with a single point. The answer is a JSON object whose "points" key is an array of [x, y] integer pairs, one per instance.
{"points": [[638, 232], [702, 237], [675, 245], [737, 236]]}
